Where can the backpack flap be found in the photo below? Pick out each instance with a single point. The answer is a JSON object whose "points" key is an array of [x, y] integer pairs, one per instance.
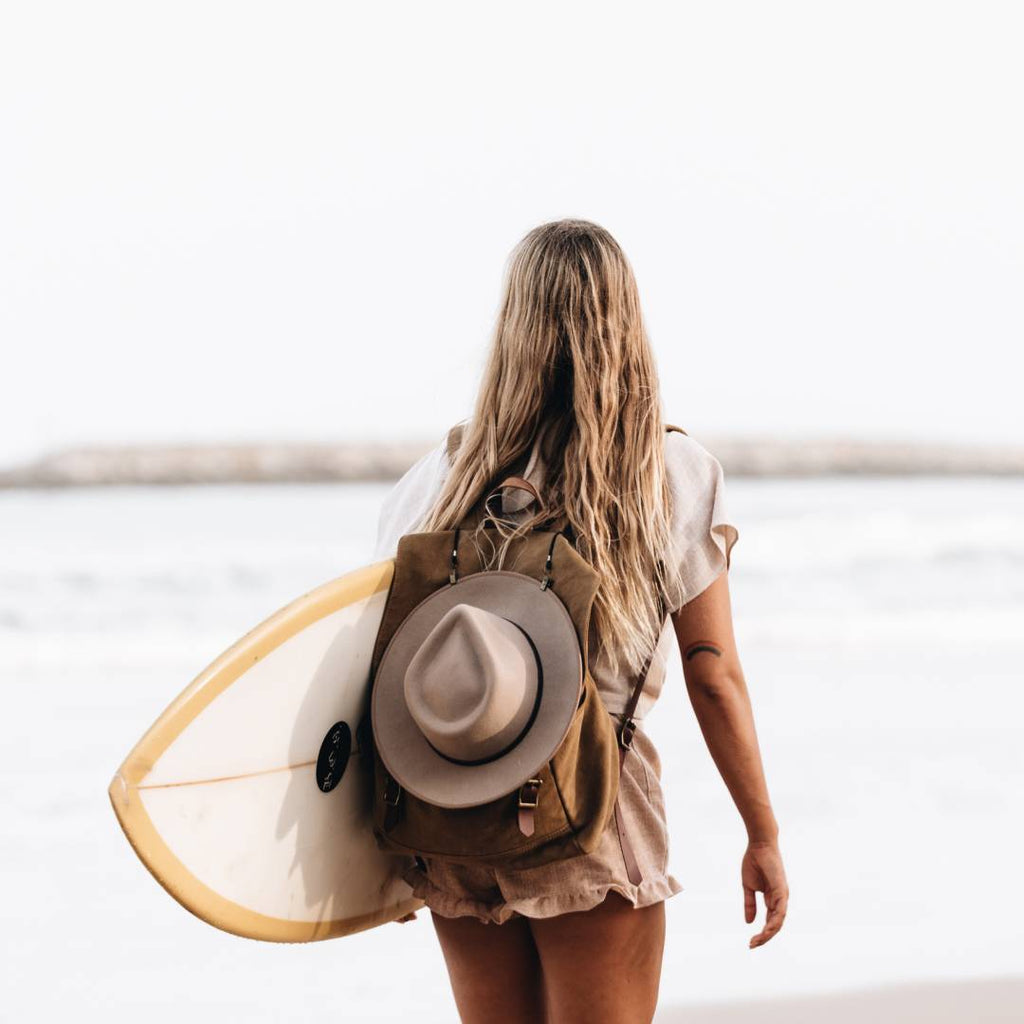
{"points": [[556, 811]]}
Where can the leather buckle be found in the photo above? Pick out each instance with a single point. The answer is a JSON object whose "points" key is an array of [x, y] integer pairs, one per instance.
{"points": [[533, 786], [626, 733]]}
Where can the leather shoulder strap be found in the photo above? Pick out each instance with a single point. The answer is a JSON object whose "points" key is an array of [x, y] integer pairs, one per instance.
{"points": [[634, 698], [453, 440], [628, 725], [522, 484]]}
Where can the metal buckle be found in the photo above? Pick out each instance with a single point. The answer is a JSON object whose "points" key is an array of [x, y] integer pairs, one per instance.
{"points": [[627, 733], [389, 797], [533, 784], [546, 581]]}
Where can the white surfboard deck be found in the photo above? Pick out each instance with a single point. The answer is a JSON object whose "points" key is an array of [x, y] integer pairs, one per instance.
{"points": [[220, 800]]}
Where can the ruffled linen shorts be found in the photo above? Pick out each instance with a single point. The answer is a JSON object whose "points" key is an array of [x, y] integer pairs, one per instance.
{"points": [[496, 894]]}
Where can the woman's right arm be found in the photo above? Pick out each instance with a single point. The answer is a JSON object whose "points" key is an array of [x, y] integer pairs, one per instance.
{"points": [[718, 693]]}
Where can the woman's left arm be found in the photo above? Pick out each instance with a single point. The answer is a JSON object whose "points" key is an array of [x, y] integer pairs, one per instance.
{"points": [[718, 693]]}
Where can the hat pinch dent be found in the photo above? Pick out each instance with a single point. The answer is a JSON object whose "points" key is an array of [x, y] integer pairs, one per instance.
{"points": [[472, 687]]}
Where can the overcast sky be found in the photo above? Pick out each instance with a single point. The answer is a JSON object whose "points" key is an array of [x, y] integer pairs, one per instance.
{"points": [[227, 221]]}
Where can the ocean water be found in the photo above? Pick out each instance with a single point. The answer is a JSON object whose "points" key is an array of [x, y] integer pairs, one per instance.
{"points": [[880, 624]]}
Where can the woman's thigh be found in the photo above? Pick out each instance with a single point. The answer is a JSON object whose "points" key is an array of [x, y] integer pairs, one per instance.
{"points": [[602, 966], [494, 969]]}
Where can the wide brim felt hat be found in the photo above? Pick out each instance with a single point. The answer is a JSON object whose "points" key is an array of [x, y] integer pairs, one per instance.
{"points": [[407, 754]]}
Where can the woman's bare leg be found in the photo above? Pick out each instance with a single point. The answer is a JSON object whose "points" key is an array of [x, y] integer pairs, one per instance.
{"points": [[494, 970], [602, 966]]}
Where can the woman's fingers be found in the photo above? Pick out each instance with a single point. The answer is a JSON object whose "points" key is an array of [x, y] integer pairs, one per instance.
{"points": [[762, 872], [749, 905], [776, 905]]}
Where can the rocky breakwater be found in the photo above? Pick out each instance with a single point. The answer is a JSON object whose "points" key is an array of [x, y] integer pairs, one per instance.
{"points": [[282, 462]]}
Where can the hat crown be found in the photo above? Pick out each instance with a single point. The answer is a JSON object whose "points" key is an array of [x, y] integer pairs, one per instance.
{"points": [[472, 685]]}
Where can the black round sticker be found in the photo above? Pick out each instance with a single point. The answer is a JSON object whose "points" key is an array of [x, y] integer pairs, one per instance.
{"points": [[332, 760]]}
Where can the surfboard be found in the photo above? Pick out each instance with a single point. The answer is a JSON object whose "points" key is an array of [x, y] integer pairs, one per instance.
{"points": [[248, 799]]}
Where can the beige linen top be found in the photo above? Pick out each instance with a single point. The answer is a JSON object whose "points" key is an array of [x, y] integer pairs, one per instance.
{"points": [[702, 538]]}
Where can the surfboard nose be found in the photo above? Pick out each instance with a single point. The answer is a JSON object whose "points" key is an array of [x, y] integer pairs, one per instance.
{"points": [[240, 833]]}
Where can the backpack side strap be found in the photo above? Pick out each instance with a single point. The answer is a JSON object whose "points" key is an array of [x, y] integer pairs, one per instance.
{"points": [[626, 732], [628, 725]]}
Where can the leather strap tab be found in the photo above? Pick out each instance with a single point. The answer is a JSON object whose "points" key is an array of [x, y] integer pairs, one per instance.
{"points": [[633, 872], [526, 823], [528, 795]]}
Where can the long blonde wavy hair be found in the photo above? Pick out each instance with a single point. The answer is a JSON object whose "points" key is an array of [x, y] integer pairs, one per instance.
{"points": [[571, 366]]}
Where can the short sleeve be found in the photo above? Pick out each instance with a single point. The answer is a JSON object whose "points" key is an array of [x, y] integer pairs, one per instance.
{"points": [[702, 533], [407, 504]]}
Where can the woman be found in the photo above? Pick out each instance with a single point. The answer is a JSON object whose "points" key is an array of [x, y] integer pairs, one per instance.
{"points": [[570, 393]]}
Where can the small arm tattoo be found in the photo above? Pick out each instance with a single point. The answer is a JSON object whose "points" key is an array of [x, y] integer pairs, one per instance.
{"points": [[702, 645]]}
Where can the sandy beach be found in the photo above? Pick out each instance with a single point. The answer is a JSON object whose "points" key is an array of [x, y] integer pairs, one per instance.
{"points": [[968, 1002]]}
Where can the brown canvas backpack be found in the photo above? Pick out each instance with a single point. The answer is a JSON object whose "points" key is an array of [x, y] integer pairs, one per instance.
{"points": [[560, 811]]}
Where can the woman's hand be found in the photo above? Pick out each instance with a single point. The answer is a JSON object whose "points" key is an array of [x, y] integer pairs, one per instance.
{"points": [[762, 871], [411, 916]]}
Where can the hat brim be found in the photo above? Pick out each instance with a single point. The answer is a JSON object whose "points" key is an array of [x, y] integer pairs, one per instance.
{"points": [[403, 748]]}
